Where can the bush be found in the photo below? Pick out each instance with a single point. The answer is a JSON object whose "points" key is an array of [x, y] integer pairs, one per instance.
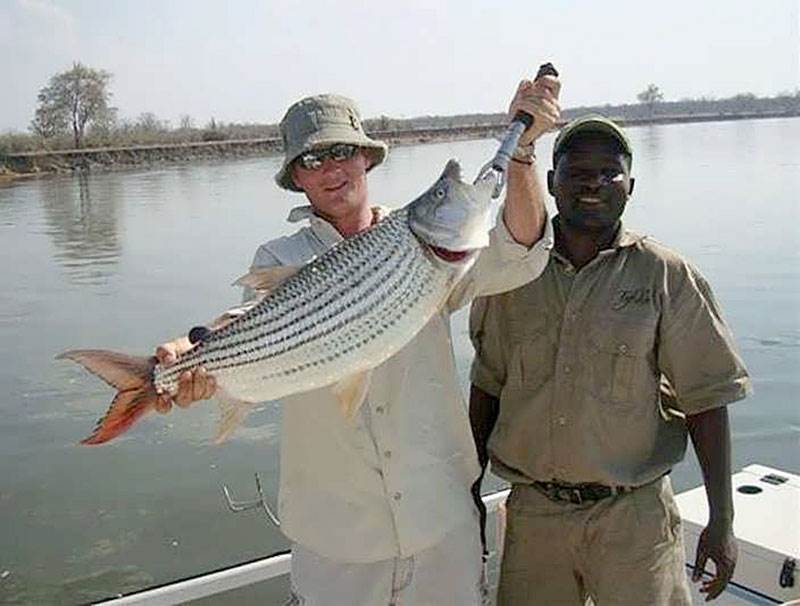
{"points": [[14, 143]]}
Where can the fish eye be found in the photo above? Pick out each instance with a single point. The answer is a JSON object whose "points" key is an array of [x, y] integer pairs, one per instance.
{"points": [[439, 192]]}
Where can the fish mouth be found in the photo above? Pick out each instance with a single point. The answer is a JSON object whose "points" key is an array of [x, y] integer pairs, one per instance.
{"points": [[451, 256]]}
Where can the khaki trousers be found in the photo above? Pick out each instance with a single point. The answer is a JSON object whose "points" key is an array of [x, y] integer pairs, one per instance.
{"points": [[623, 550]]}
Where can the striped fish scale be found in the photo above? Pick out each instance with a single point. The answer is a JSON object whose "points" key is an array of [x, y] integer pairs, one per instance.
{"points": [[338, 316], [348, 310]]}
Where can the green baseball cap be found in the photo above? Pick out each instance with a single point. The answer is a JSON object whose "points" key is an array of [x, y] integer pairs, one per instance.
{"points": [[591, 123], [320, 121]]}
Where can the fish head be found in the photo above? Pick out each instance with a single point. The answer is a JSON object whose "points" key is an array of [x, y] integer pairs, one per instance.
{"points": [[452, 217]]}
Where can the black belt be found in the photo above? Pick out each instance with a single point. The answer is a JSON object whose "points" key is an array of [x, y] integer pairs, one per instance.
{"points": [[579, 493]]}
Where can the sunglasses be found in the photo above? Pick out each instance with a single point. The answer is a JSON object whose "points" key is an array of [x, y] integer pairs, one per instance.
{"points": [[312, 160]]}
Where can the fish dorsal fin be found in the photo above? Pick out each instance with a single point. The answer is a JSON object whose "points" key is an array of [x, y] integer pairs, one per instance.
{"points": [[351, 393], [265, 279], [232, 413]]}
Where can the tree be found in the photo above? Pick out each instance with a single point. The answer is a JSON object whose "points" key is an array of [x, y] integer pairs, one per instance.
{"points": [[187, 122], [212, 131], [650, 96], [72, 100], [149, 123]]}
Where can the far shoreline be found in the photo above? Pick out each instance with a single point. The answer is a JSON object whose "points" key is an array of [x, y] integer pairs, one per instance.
{"points": [[42, 163]]}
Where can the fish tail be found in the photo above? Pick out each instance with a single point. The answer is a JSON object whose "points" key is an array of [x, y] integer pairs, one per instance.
{"points": [[132, 376]]}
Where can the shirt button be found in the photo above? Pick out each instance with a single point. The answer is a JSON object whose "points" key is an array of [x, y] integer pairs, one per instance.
{"points": [[561, 421], [379, 409], [387, 454], [397, 496], [567, 369], [623, 348]]}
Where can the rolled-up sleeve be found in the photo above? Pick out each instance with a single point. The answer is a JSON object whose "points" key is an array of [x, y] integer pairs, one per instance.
{"points": [[697, 353], [503, 265]]}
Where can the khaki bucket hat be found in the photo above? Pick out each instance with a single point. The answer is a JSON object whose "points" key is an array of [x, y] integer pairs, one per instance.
{"points": [[320, 121]]}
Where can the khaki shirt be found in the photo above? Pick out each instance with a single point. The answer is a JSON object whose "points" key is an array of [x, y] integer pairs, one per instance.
{"points": [[396, 479], [582, 361]]}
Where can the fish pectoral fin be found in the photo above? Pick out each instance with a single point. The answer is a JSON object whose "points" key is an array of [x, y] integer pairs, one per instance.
{"points": [[351, 393], [232, 413], [264, 280]]}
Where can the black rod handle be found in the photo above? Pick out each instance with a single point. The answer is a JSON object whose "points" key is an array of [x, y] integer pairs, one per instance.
{"points": [[545, 69]]}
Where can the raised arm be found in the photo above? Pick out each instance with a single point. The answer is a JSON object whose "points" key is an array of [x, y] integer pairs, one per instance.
{"points": [[517, 251], [524, 212]]}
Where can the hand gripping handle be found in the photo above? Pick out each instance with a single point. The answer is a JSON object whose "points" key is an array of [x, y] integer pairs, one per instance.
{"points": [[522, 120]]}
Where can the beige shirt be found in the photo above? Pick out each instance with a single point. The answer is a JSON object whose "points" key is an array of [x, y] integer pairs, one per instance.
{"points": [[579, 361], [396, 479]]}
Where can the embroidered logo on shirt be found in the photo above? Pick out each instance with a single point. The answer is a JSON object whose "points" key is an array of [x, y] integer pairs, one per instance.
{"points": [[632, 296]]}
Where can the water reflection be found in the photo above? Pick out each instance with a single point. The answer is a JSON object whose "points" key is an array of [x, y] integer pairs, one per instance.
{"points": [[84, 226], [651, 140]]}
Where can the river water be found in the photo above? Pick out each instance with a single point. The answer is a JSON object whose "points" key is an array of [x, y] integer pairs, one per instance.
{"points": [[123, 260]]}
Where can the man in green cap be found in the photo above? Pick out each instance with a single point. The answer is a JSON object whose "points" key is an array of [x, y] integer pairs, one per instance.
{"points": [[378, 508], [585, 385]]}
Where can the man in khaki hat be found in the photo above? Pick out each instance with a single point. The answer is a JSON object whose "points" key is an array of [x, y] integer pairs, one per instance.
{"points": [[588, 381], [378, 508]]}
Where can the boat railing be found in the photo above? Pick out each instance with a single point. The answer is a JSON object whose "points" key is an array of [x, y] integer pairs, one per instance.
{"points": [[234, 577]]}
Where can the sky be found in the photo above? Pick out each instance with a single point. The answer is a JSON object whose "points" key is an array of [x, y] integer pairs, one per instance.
{"points": [[245, 61]]}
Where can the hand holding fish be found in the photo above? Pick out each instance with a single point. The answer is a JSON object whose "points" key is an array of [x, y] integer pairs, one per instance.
{"points": [[538, 98], [193, 385]]}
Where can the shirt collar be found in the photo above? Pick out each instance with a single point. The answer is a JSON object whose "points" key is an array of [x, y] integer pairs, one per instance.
{"points": [[322, 228], [622, 239], [625, 238]]}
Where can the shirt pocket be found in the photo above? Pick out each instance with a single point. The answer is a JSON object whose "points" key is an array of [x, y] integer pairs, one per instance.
{"points": [[531, 357], [621, 361]]}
